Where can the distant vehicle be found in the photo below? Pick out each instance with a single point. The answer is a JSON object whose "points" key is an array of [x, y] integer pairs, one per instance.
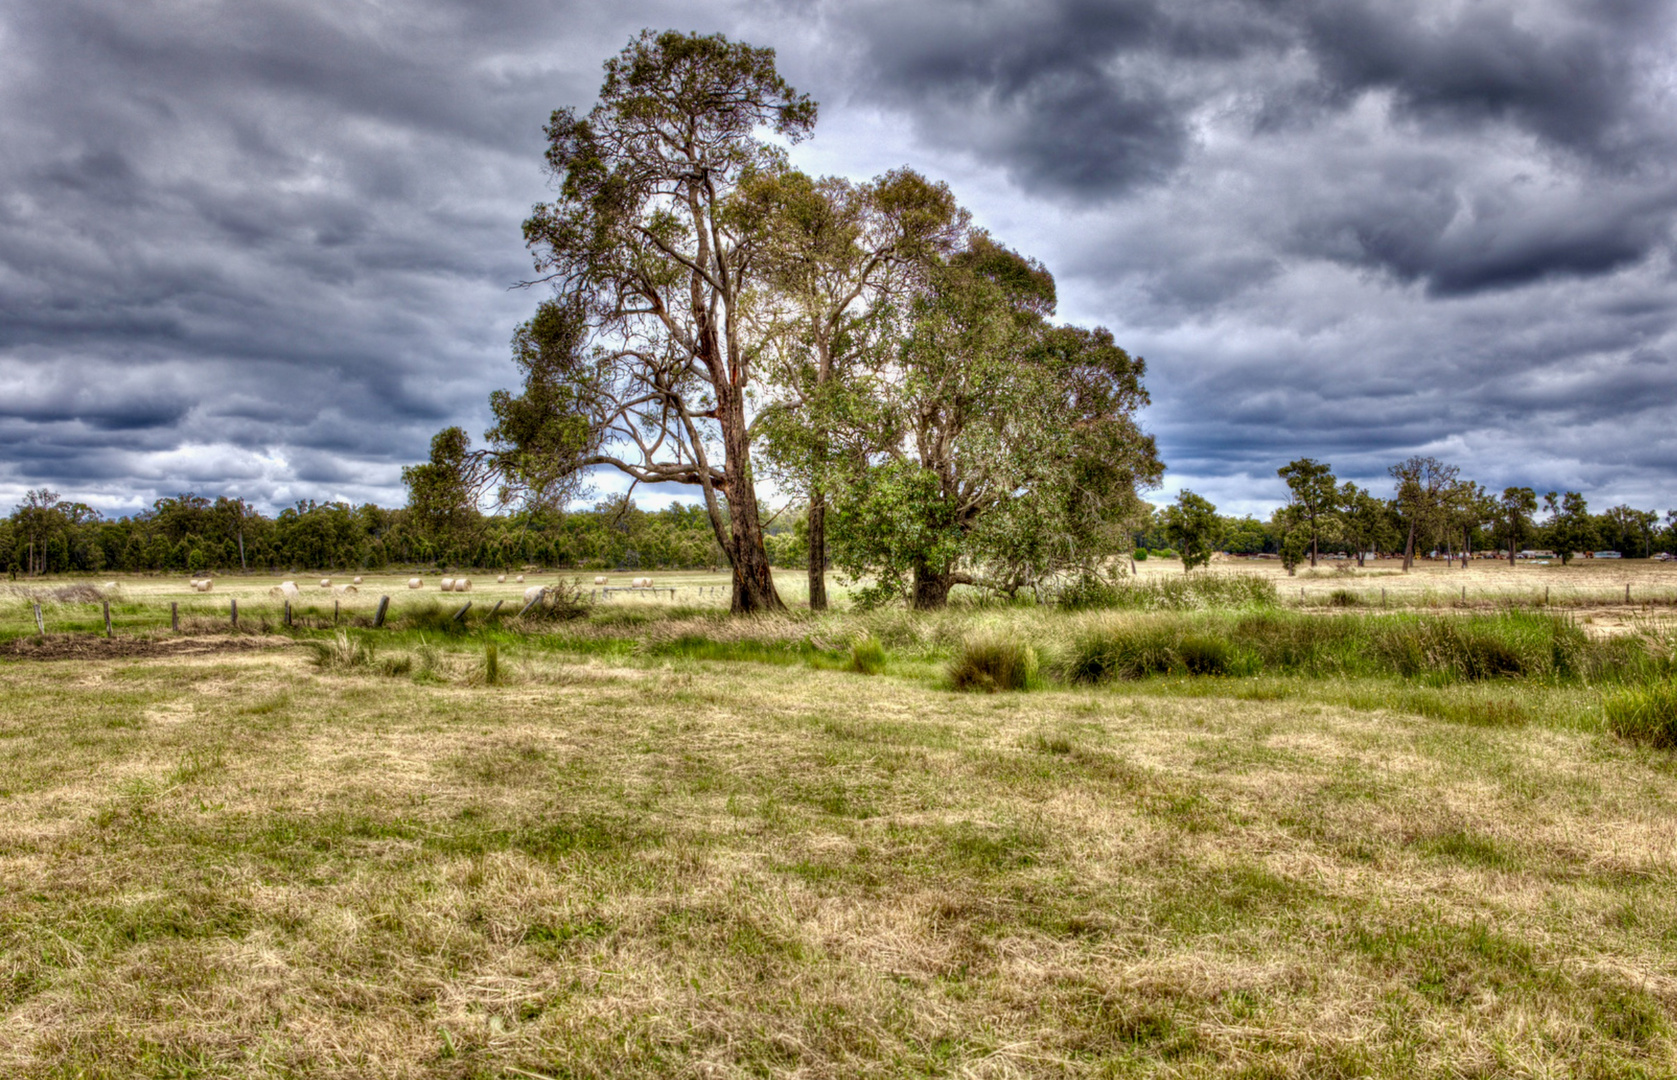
{"points": [[1664, 556], [1605, 555]]}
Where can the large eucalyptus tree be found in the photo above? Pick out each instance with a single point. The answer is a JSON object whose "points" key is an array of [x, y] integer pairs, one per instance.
{"points": [[652, 260]]}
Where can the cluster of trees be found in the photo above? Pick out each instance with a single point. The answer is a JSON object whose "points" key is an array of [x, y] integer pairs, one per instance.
{"points": [[1432, 508], [192, 534], [715, 312]]}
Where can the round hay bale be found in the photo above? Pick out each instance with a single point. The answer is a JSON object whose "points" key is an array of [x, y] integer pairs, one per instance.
{"points": [[521, 579], [501, 580], [325, 583], [415, 583], [599, 579], [446, 584], [532, 593], [357, 580], [463, 584]]}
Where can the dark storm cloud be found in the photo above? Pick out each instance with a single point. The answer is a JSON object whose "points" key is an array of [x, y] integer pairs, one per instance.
{"points": [[263, 248]]}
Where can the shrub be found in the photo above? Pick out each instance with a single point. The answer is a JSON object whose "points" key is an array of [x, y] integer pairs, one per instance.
{"points": [[1646, 714], [867, 655], [1140, 555], [1344, 598], [994, 663]]}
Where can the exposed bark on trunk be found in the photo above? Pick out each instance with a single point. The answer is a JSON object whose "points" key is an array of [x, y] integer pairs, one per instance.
{"points": [[754, 589], [817, 550], [1409, 549], [931, 588]]}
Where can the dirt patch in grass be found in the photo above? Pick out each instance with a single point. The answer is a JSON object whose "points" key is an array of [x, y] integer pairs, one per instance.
{"points": [[87, 647]]}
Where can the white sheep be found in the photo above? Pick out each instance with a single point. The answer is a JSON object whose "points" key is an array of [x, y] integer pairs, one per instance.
{"points": [[446, 584], [415, 583], [599, 579]]}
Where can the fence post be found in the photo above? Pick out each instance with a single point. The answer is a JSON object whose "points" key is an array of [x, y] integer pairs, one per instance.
{"points": [[383, 606], [235, 608], [334, 613], [40, 624], [534, 600], [460, 616], [1627, 592], [1545, 596], [288, 613], [494, 609], [107, 618], [175, 616], [1382, 596]]}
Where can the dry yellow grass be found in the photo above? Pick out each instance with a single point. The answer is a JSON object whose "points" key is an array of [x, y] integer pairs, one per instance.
{"points": [[238, 864]]}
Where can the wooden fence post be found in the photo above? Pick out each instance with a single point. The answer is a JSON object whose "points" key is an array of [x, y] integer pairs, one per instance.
{"points": [[460, 616], [175, 616], [383, 606], [40, 624], [108, 618], [235, 608], [334, 613], [534, 600], [494, 609], [288, 613]]}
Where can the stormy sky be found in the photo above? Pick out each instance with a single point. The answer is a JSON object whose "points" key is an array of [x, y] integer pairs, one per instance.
{"points": [[264, 247]]}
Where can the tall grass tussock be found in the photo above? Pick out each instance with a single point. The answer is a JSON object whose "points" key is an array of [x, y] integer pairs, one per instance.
{"points": [[1186, 592], [1645, 714], [992, 662], [1437, 650]]}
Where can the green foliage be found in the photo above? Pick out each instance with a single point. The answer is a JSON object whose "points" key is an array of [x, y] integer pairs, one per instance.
{"points": [[491, 664], [1139, 554], [992, 663], [1193, 526], [1645, 714]]}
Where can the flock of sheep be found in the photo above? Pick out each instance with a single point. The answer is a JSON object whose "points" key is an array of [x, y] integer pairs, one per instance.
{"points": [[288, 590]]}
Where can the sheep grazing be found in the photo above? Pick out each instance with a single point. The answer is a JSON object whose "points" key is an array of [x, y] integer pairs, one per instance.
{"points": [[415, 583], [501, 580], [533, 593], [641, 583], [325, 583], [357, 580], [599, 579], [446, 584]]}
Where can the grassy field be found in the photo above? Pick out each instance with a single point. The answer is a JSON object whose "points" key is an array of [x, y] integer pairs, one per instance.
{"points": [[654, 841]]}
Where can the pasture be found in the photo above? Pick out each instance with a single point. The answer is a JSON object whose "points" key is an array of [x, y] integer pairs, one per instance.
{"points": [[1219, 835]]}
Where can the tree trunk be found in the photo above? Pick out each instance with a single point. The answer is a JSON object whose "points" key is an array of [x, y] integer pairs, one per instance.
{"points": [[754, 589], [931, 588], [1312, 545], [817, 550], [1409, 549]]}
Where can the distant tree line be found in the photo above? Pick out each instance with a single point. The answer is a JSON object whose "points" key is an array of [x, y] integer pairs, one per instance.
{"points": [[1432, 508], [190, 534]]}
